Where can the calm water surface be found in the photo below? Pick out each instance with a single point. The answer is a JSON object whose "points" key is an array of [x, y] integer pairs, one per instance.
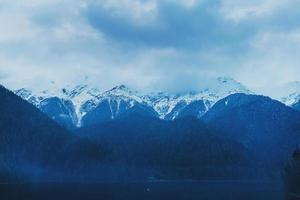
{"points": [[175, 190]]}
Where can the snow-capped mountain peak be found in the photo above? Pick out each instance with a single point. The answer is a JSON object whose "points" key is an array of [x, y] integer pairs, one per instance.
{"points": [[291, 99], [221, 87], [86, 98], [289, 93], [121, 92], [227, 85], [27, 95], [24, 93], [79, 95]]}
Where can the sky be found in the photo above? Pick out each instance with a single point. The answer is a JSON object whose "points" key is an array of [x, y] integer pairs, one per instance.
{"points": [[149, 44]]}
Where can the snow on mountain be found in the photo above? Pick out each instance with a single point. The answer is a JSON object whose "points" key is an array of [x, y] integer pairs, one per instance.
{"points": [[86, 99], [28, 95], [291, 93], [82, 95], [122, 92], [111, 104], [164, 103], [78, 95], [291, 99]]}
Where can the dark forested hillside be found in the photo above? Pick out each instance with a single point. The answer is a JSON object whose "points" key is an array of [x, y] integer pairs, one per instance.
{"points": [[264, 125], [182, 148], [24, 129], [32, 143]]}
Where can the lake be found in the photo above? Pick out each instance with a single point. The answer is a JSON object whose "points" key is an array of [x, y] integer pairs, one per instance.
{"points": [[173, 190]]}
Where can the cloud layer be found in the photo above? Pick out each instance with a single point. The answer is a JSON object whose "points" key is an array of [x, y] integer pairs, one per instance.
{"points": [[149, 44]]}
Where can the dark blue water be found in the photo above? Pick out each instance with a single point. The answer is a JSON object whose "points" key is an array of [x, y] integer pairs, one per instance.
{"points": [[175, 190]]}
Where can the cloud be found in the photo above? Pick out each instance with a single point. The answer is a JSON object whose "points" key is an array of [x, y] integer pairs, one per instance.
{"points": [[170, 25], [149, 44]]}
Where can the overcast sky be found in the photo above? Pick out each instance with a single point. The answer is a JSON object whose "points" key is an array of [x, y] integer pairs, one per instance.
{"points": [[149, 44]]}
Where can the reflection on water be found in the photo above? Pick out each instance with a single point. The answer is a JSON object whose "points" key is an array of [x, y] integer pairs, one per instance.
{"points": [[184, 190]]}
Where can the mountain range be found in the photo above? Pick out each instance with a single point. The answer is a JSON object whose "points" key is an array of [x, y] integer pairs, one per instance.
{"points": [[222, 131], [134, 146], [84, 105]]}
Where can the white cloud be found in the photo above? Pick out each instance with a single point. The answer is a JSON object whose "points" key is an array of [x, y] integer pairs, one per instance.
{"points": [[16, 27], [272, 60], [43, 40], [238, 11]]}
